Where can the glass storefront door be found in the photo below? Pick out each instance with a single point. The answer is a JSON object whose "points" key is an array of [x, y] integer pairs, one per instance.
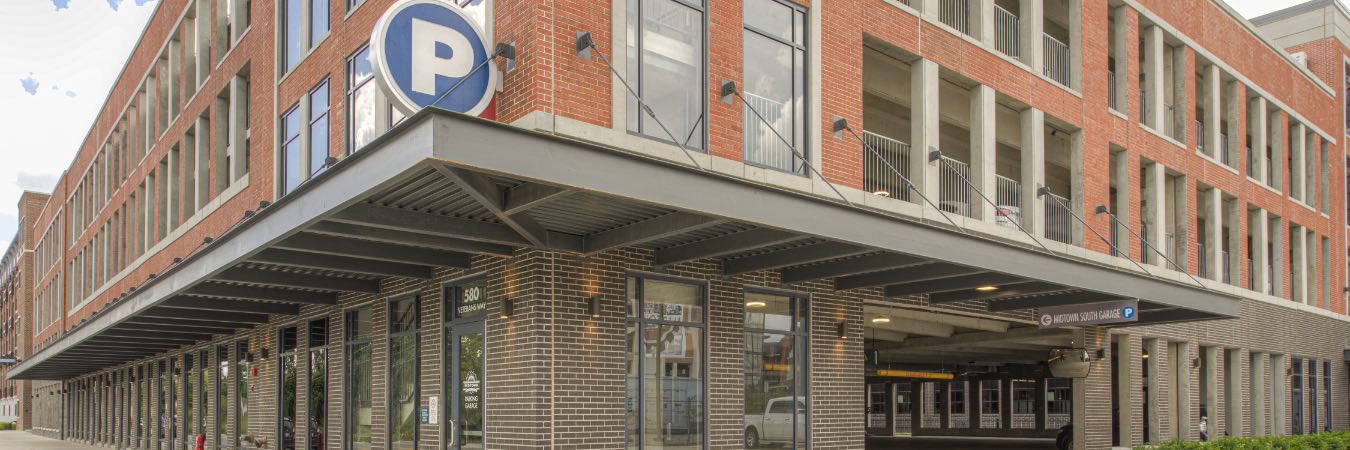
{"points": [[465, 361]]}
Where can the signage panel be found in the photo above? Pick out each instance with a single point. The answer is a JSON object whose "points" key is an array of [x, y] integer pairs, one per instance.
{"points": [[1119, 311], [421, 48]]}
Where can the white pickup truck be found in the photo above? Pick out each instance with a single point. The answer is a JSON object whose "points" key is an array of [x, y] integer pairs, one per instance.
{"points": [[775, 425]]}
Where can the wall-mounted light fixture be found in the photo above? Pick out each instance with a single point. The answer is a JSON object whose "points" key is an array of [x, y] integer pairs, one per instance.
{"points": [[508, 305], [881, 319], [593, 306], [842, 329]]}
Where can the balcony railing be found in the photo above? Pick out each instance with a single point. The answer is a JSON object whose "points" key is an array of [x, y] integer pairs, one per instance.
{"points": [[1225, 150], [762, 145], [1171, 249], [1009, 200], [1225, 272], [953, 191], [1007, 32], [880, 175], [1056, 60], [1200, 136], [1270, 169], [1251, 274], [1169, 121], [1111, 90], [1251, 162], [1202, 260], [1058, 220], [955, 13]]}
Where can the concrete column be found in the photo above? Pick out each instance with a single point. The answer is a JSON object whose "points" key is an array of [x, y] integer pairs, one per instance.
{"points": [[238, 20], [1153, 77], [1033, 170], [1214, 232], [1298, 146], [238, 117], [930, 8], [1181, 386], [924, 122], [1233, 385], [1155, 194], [1155, 354], [1279, 406], [1121, 171], [1075, 46], [1279, 251], [982, 21], [982, 149], [1122, 44], [1127, 382], [1256, 110], [1232, 217], [1213, 118], [1277, 131], [201, 191], [1232, 91], [1077, 191], [1209, 356], [1031, 20], [1259, 223]]}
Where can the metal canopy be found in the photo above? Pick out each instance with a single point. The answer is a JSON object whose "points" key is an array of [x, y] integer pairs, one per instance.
{"points": [[442, 187]]}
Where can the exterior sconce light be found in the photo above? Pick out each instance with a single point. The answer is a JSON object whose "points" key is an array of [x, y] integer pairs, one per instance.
{"points": [[593, 306], [508, 306], [842, 329]]}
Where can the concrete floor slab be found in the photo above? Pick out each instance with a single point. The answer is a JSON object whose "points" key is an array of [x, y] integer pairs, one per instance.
{"points": [[23, 440]]}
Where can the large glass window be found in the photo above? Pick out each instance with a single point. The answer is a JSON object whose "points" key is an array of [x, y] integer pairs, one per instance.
{"points": [[1312, 396], [244, 363], [318, 128], [990, 403], [287, 372], [666, 66], [290, 34], [290, 133], [774, 50], [161, 411], [318, 383], [203, 389], [357, 326], [318, 21], [665, 364], [1326, 392], [775, 370], [189, 400], [403, 367], [222, 394], [1296, 397], [361, 101]]}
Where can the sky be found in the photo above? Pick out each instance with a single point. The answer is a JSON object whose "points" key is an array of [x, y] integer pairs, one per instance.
{"points": [[58, 58]]}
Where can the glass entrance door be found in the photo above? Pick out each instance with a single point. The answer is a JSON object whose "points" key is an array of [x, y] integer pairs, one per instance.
{"points": [[465, 409]]}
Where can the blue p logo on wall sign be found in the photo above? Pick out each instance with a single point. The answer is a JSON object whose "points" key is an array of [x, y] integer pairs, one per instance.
{"points": [[421, 48]]}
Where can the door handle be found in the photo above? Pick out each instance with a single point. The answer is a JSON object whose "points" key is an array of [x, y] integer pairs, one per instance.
{"points": [[453, 434]]}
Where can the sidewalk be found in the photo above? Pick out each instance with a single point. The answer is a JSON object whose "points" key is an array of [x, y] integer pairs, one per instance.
{"points": [[23, 440]]}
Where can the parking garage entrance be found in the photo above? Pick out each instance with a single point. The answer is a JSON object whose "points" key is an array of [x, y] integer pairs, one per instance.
{"points": [[962, 381]]}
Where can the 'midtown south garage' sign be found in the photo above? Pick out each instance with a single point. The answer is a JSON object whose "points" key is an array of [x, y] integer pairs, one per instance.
{"points": [[1089, 314]]}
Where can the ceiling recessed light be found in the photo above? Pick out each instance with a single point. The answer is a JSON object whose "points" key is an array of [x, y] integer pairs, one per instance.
{"points": [[755, 304], [881, 319], [987, 288], [882, 193]]}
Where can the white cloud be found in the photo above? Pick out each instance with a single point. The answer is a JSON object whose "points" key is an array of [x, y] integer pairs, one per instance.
{"points": [[78, 45]]}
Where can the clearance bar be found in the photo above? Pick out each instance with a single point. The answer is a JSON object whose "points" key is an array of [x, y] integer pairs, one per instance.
{"points": [[913, 374]]}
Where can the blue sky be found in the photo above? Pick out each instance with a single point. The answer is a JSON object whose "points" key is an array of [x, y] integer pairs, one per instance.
{"points": [[59, 59]]}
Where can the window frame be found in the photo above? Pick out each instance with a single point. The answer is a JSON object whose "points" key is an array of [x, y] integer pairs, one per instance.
{"points": [[802, 148], [325, 117], [351, 87], [704, 61], [348, 343], [638, 319], [285, 147], [282, 353], [414, 332], [798, 302], [310, 350]]}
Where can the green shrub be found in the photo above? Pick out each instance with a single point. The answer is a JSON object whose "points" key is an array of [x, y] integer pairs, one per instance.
{"points": [[1321, 441], [6, 426]]}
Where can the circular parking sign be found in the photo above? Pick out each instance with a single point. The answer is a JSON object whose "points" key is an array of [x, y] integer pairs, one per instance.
{"points": [[1127, 312], [421, 48]]}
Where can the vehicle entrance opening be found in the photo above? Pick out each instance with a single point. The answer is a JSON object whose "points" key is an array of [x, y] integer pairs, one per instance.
{"points": [[949, 380]]}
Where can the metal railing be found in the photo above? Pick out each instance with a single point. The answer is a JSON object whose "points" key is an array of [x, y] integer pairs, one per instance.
{"points": [[1169, 121], [955, 13], [1111, 100], [1172, 248], [1251, 274], [1251, 162], [762, 147], [1055, 421], [1200, 136], [878, 178], [1115, 242], [1270, 285], [1058, 220], [1056, 60], [1007, 32], [991, 420], [1202, 260], [1143, 105], [1008, 196], [1270, 169], [1225, 272], [953, 192], [1225, 150], [959, 421]]}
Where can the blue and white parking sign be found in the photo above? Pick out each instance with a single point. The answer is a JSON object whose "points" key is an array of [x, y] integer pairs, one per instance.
{"points": [[421, 48]]}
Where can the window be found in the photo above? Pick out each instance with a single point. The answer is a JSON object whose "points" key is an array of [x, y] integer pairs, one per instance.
{"points": [[1296, 397], [222, 394], [290, 129], [318, 383], [189, 408], [665, 380], [1312, 396], [775, 74], [775, 368], [241, 376], [404, 318], [1058, 396], [361, 101], [989, 404], [352, 4], [318, 128], [1326, 392], [291, 50], [287, 373], [464, 362], [160, 414], [665, 54], [318, 21], [202, 390], [357, 357]]}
